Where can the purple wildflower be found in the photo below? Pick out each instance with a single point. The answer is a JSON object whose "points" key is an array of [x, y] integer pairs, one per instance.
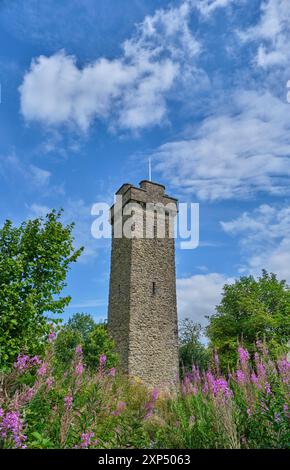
{"points": [[195, 374], [79, 368], [29, 394], [49, 383], [120, 407], [42, 369], [35, 361], [68, 400], [79, 350], [103, 359], [86, 439], [22, 362], [155, 394], [243, 355], [221, 386], [11, 425], [261, 370], [112, 372], [51, 336], [268, 388], [241, 378], [284, 370]]}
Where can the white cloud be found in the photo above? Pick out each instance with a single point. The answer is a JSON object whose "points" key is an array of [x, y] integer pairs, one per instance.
{"points": [[265, 239], [207, 7], [88, 304], [11, 167], [130, 90], [39, 176], [38, 210], [234, 153], [272, 33], [198, 295]]}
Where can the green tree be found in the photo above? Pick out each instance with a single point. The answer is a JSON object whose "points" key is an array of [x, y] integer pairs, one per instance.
{"points": [[82, 330], [251, 309], [191, 349], [34, 261]]}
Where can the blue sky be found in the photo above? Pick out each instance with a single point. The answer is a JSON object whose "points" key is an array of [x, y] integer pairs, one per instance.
{"points": [[91, 90]]}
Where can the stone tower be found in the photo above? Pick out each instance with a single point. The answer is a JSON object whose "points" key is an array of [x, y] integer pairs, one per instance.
{"points": [[142, 317]]}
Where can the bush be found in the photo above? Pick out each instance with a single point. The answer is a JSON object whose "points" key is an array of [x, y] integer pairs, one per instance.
{"points": [[82, 330], [251, 309]]}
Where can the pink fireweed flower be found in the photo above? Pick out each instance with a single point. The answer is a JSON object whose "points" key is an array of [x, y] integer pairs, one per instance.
{"points": [[210, 380], [79, 350], [155, 394], [42, 369], [22, 362], [261, 371], [284, 370], [29, 394], [112, 372], [249, 412], [195, 374], [51, 336], [205, 388], [255, 380], [150, 405], [120, 407], [68, 401], [243, 355], [217, 386], [49, 383], [222, 387], [103, 359], [11, 425], [268, 388], [257, 358], [86, 439], [241, 378], [35, 361], [79, 369], [264, 406], [25, 362], [186, 387]]}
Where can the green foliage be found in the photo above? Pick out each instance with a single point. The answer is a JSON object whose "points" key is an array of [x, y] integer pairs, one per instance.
{"points": [[191, 349], [251, 309], [34, 261], [94, 339]]}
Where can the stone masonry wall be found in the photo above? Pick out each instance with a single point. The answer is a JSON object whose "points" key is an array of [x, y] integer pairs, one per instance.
{"points": [[142, 302]]}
